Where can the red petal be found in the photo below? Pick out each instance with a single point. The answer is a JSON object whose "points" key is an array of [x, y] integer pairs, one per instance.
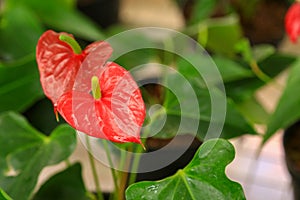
{"points": [[117, 116], [59, 66], [79, 110], [292, 22], [97, 55], [57, 63], [121, 94]]}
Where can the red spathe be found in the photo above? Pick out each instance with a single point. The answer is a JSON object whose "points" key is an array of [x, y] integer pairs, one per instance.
{"points": [[66, 80]]}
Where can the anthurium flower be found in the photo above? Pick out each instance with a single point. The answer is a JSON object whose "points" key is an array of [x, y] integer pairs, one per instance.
{"points": [[292, 22], [94, 96], [59, 62]]}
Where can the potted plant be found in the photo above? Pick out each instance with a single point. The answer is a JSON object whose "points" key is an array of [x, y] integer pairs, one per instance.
{"points": [[186, 96]]}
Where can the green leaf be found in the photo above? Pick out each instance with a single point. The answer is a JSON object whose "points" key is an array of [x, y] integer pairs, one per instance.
{"points": [[253, 111], [135, 58], [15, 44], [128, 53], [190, 111], [236, 124], [244, 48], [202, 10], [203, 178], [231, 70], [61, 16], [67, 184], [288, 108], [4, 196], [19, 84], [168, 122], [243, 90], [276, 63], [45, 123], [220, 28], [25, 152]]}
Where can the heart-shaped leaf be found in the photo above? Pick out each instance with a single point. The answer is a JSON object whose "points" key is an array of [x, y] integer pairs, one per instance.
{"points": [[203, 178], [67, 184], [25, 152]]}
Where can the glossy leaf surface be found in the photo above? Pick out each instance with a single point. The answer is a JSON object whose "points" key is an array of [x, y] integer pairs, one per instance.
{"points": [[19, 84], [225, 110], [25, 152], [67, 184], [203, 178], [15, 45], [235, 124], [273, 65]]}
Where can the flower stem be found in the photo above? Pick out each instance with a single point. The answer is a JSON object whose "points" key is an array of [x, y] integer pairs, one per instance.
{"points": [[94, 171], [140, 149], [135, 164], [123, 184], [257, 71], [124, 166], [113, 171]]}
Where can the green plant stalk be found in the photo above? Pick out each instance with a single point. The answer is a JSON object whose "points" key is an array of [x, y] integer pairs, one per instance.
{"points": [[135, 163], [168, 44], [94, 171], [123, 173], [123, 161], [262, 76], [257, 71], [113, 171], [139, 150], [123, 185]]}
